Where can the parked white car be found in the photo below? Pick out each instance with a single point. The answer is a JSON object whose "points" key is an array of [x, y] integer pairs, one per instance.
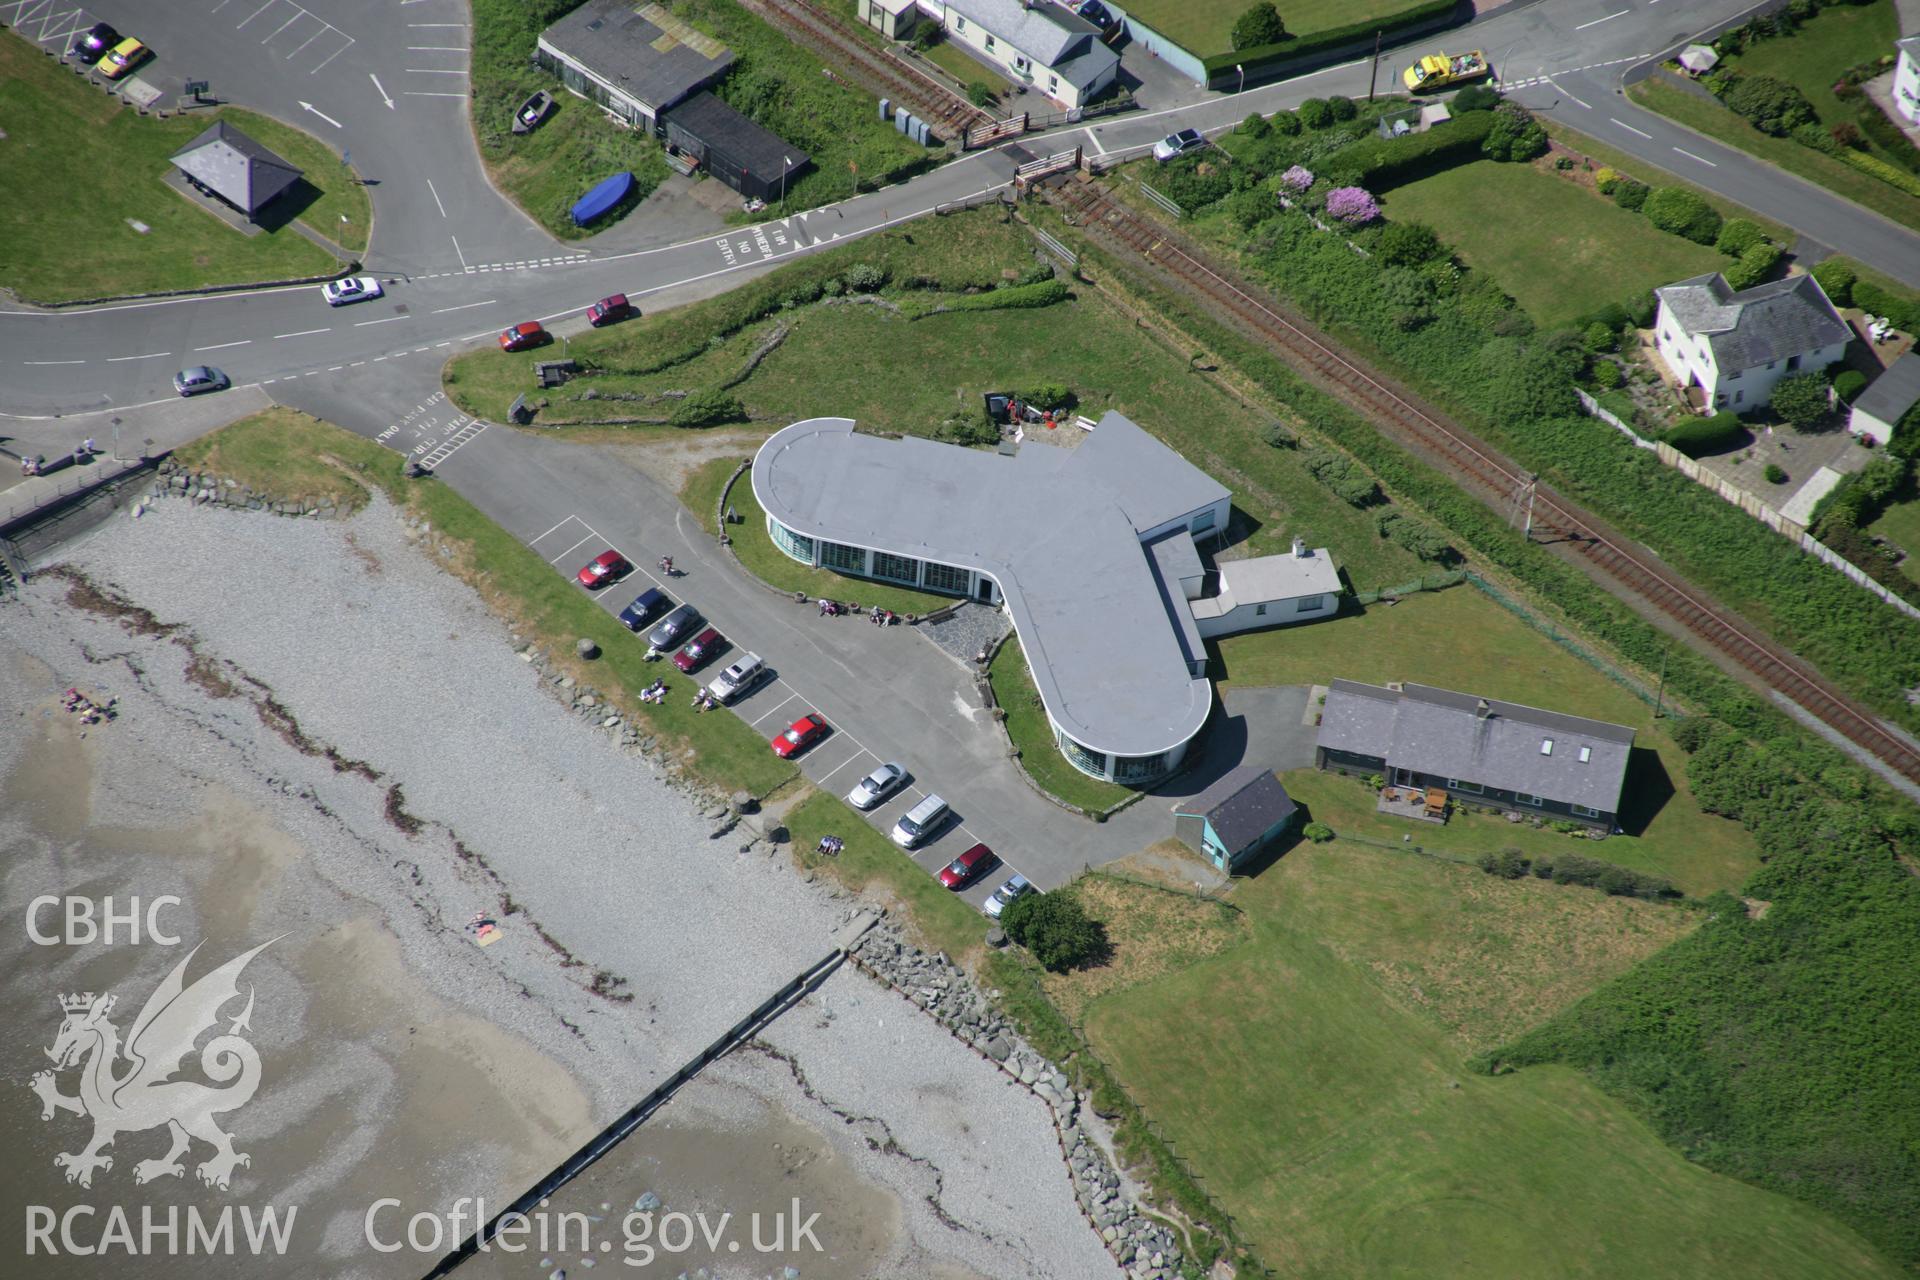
{"points": [[877, 786], [1178, 144], [339, 293]]}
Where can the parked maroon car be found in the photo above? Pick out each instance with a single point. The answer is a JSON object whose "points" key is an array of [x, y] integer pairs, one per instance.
{"points": [[963, 870], [611, 310], [698, 650]]}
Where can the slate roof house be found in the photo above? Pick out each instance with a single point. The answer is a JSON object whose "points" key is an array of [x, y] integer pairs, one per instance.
{"points": [[226, 163], [1045, 46], [1735, 346], [1906, 78], [1881, 406], [1482, 752], [752, 160], [1236, 817], [636, 61]]}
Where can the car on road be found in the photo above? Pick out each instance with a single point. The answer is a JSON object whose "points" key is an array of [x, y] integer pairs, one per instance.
{"points": [[610, 310], [966, 868], [523, 336], [607, 567], [919, 822], [676, 624], [199, 379], [1178, 144], [122, 58], [741, 675], [697, 652], [644, 606], [92, 44], [798, 736], [339, 293], [876, 786], [1003, 897]]}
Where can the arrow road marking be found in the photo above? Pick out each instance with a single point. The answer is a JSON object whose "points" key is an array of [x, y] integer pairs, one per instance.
{"points": [[382, 88], [308, 106]]}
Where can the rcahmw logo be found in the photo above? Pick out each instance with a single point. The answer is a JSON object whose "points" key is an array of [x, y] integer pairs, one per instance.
{"points": [[127, 1088]]}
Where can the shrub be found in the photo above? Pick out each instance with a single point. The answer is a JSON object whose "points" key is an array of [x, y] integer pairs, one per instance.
{"points": [[1755, 265], [1770, 104], [1043, 293], [1600, 336], [1604, 179], [705, 409], [979, 93], [1847, 134], [1631, 194], [1836, 276], [1515, 134], [1277, 435], [1815, 138], [1297, 178], [1849, 384], [1336, 471], [1475, 97], [1737, 235], [1287, 123], [1641, 309], [1315, 113], [1887, 135], [1508, 864], [866, 277], [1775, 473], [1056, 929], [1904, 311], [1682, 213], [1607, 375], [1048, 396], [1259, 25], [1697, 436], [1406, 244], [1379, 163], [1802, 399], [1342, 107], [1352, 205], [1317, 832], [1255, 125], [1417, 537]]}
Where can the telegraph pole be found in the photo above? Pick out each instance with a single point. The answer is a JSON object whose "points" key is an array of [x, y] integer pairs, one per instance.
{"points": [[1374, 71]]}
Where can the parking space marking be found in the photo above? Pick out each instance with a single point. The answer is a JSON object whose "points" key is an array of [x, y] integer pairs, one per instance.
{"points": [[591, 537], [755, 723], [48, 23], [256, 13], [859, 751]]}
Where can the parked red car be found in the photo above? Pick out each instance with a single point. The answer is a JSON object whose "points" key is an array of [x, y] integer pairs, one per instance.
{"points": [[610, 310], [798, 736], [961, 872], [608, 566], [522, 336], [694, 654]]}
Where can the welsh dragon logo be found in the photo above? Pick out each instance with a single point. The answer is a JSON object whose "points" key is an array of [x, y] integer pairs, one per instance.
{"points": [[125, 1089]]}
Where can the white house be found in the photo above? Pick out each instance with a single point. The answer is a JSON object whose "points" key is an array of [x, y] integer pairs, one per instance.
{"points": [[1906, 79], [1042, 45], [1735, 346], [1269, 591], [1881, 406]]}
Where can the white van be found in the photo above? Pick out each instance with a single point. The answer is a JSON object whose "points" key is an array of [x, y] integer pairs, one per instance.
{"points": [[920, 822], [739, 677]]}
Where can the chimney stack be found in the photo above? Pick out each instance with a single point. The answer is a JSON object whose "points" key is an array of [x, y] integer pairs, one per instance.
{"points": [[1482, 710]]}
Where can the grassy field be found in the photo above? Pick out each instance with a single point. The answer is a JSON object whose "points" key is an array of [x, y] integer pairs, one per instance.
{"points": [[1206, 27], [1315, 1077], [1557, 247], [1032, 734], [64, 137], [872, 864], [1823, 171], [1489, 651]]}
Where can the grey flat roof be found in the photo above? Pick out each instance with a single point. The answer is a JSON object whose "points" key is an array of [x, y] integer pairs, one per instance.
{"points": [[1894, 391], [1051, 528], [1265, 579], [241, 170], [1243, 806], [651, 65]]}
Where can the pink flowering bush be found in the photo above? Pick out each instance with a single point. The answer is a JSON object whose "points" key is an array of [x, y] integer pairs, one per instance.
{"points": [[1352, 205], [1297, 178]]}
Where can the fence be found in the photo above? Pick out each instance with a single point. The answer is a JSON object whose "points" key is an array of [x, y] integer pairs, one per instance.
{"points": [[1154, 195], [1187, 64], [1788, 528], [982, 135], [83, 477], [1567, 642], [1054, 247], [1431, 582], [1034, 170]]}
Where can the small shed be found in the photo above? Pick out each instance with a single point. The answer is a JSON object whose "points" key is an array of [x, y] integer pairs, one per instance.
{"points": [[1236, 817], [753, 161], [891, 18], [226, 163], [1890, 397], [1699, 58]]}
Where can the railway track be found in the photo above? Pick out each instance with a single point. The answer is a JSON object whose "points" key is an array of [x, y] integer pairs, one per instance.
{"points": [[833, 36], [1499, 482]]}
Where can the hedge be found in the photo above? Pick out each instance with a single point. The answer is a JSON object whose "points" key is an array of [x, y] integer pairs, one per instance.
{"points": [[1268, 56], [1042, 294], [1379, 164], [1888, 135], [1696, 436], [1882, 170]]}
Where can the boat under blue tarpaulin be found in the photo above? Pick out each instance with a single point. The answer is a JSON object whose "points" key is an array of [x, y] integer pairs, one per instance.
{"points": [[602, 198]]}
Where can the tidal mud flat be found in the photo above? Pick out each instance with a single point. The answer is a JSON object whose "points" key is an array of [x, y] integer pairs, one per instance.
{"points": [[324, 743]]}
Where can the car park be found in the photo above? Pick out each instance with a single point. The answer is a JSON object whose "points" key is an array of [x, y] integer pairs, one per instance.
{"points": [[92, 44], [697, 652], [741, 675], [798, 736], [876, 786], [1003, 897], [673, 626], [199, 379], [608, 566], [122, 58], [649, 602], [920, 822], [339, 293], [1178, 144], [522, 336], [963, 870], [610, 310]]}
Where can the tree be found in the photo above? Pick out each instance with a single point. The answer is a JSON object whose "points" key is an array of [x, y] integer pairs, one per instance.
{"points": [[1343, 108], [1515, 135], [1837, 277], [1407, 244], [1352, 205], [1802, 399], [1316, 113], [1056, 929], [1737, 235], [1681, 212], [1255, 125], [979, 93], [1770, 104], [1259, 26]]}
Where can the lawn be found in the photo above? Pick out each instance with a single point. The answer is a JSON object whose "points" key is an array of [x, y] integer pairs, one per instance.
{"points": [[963, 68], [1032, 735], [1557, 247], [1315, 1076], [1205, 27], [1823, 171], [62, 135], [1489, 651], [872, 864], [1900, 524]]}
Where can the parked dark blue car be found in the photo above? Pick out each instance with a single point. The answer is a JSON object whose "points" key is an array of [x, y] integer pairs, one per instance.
{"points": [[644, 606]]}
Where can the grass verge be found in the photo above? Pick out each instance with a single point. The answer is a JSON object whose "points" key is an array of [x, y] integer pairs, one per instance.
{"points": [[1032, 735], [280, 451], [870, 863]]}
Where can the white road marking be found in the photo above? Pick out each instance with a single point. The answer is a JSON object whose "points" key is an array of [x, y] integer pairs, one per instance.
{"points": [[283, 26], [1629, 128], [464, 307], [858, 752], [151, 355], [256, 13], [330, 57], [53, 362], [1702, 159], [308, 106], [423, 93], [361, 324], [304, 333], [1550, 80], [435, 71], [1597, 21], [222, 346], [436, 48], [776, 709], [389, 101]]}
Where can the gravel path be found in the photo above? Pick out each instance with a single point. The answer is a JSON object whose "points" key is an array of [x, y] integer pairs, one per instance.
{"points": [[382, 657]]}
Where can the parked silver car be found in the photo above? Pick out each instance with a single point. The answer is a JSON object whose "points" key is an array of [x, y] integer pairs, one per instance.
{"points": [[200, 378], [674, 627], [877, 786], [1015, 887], [741, 675]]}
